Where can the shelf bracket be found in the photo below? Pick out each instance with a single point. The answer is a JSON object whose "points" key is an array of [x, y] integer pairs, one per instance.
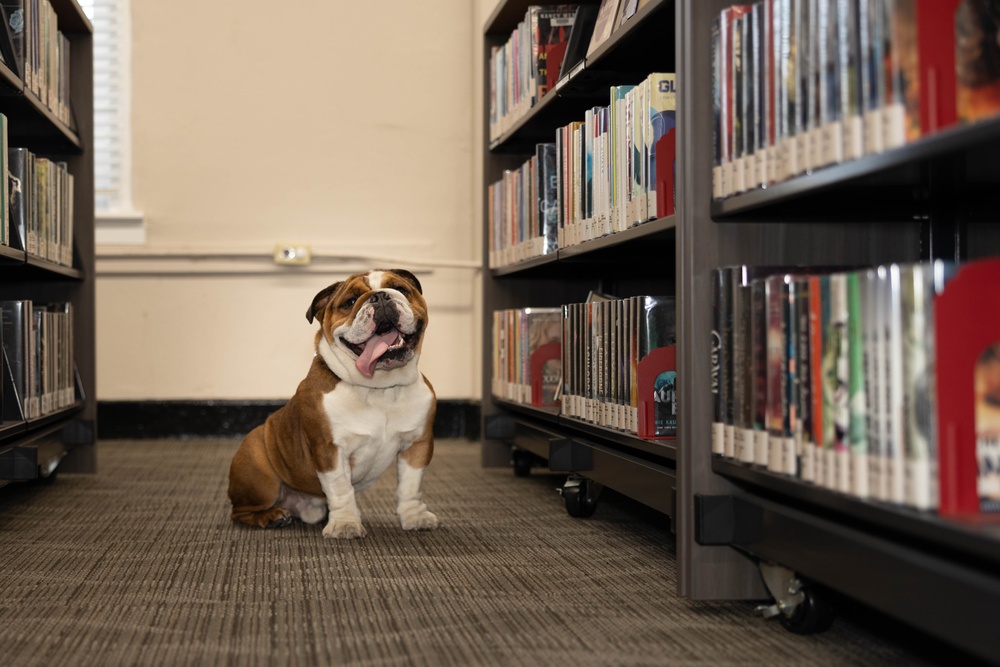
{"points": [[723, 520]]}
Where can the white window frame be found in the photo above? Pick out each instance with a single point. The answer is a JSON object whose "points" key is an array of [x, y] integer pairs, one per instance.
{"points": [[116, 222]]}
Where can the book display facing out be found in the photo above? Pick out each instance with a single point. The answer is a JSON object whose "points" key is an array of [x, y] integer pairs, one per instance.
{"points": [[47, 241], [830, 256]]}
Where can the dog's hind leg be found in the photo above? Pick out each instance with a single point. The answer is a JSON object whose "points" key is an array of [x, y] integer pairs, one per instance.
{"points": [[254, 489]]}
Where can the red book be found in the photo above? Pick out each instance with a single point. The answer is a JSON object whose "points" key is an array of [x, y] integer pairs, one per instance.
{"points": [[967, 338], [936, 52]]}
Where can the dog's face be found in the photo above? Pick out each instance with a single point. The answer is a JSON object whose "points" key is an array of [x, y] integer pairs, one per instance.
{"points": [[371, 327]]}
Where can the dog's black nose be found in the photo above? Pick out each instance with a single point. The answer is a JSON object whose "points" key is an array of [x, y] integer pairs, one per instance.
{"points": [[376, 297]]}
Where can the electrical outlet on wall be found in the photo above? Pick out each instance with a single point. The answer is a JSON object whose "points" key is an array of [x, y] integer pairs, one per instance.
{"points": [[292, 254]]}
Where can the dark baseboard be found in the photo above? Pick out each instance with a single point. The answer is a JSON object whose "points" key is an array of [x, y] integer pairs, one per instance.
{"points": [[138, 420]]}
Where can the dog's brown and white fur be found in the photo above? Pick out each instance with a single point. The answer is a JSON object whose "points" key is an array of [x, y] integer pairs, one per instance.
{"points": [[362, 406]]}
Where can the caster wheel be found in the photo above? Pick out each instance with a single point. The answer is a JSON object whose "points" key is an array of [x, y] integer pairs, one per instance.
{"points": [[581, 501], [522, 462], [814, 614], [45, 481]]}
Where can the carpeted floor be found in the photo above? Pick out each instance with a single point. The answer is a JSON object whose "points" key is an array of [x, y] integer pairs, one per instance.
{"points": [[140, 565]]}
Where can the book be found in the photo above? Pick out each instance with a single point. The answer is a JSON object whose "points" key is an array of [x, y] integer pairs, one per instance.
{"points": [[857, 426], [921, 283], [18, 347], [20, 164], [804, 445], [781, 373], [660, 135], [967, 368], [579, 38], [604, 24], [718, 129], [722, 349], [975, 49], [552, 32], [657, 368], [870, 339], [12, 36], [4, 191], [758, 363], [547, 188], [544, 354], [872, 83], [895, 454], [849, 80], [812, 470], [744, 398]]}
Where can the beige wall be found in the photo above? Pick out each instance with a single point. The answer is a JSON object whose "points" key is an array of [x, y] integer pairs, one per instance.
{"points": [[349, 127]]}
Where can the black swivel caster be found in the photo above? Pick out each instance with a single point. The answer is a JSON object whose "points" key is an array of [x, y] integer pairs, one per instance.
{"points": [[801, 606], [580, 495], [815, 613]]}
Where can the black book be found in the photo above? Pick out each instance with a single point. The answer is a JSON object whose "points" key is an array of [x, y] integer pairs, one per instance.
{"points": [[20, 162], [17, 347], [579, 38], [12, 35]]}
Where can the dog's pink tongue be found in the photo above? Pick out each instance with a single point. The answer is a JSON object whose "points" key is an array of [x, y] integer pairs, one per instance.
{"points": [[375, 348]]}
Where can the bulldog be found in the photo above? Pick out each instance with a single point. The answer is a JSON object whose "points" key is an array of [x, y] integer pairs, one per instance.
{"points": [[362, 406]]}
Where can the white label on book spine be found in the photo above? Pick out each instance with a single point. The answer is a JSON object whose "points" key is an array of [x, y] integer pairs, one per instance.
{"points": [[842, 468], [730, 451], [718, 438], [859, 475], [716, 188], [808, 471], [746, 454], [854, 146], [873, 132], [760, 448], [894, 126], [776, 453], [788, 463], [834, 147]]}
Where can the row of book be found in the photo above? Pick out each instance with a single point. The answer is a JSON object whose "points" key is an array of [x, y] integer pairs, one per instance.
{"points": [[882, 383], [545, 46], [802, 84], [608, 172], [37, 356], [527, 65], [607, 361], [33, 47], [36, 207]]}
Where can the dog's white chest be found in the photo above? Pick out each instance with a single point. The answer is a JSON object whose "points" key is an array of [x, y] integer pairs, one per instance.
{"points": [[371, 426]]}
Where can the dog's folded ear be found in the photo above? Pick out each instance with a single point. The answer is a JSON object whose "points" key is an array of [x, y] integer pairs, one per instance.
{"points": [[410, 277], [320, 300]]}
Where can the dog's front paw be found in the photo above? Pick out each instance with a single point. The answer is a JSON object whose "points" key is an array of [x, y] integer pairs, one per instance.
{"points": [[344, 530], [424, 520]]}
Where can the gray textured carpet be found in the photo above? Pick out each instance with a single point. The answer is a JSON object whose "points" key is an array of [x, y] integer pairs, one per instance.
{"points": [[140, 565]]}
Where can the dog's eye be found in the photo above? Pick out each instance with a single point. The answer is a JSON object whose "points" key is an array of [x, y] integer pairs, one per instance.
{"points": [[403, 291], [350, 302]]}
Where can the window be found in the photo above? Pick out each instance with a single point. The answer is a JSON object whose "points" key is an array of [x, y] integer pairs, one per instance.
{"points": [[117, 220]]}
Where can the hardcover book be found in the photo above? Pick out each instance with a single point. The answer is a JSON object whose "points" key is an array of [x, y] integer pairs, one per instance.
{"points": [[604, 25], [657, 368], [921, 283], [661, 123], [12, 37], [857, 429], [552, 33], [20, 163], [722, 350], [579, 38], [975, 51], [17, 346], [544, 354], [966, 322]]}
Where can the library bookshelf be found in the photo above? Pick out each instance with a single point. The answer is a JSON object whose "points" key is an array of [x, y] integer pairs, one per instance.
{"points": [[739, 528], [35, 445]]}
